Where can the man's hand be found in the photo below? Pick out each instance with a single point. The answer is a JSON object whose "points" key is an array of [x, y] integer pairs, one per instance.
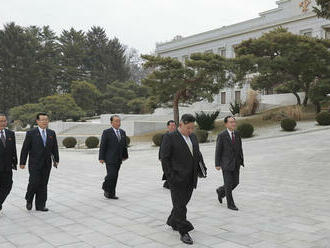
{"points": [[125, 159], [218, 167], [102, 161], [22, 166], [55, 164]]}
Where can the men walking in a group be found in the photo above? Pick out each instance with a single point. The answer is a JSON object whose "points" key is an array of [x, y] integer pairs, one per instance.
{"points": [[8, 159], [113, 150], [180, 160], [229, 159], [40, 145], [171, 127]]}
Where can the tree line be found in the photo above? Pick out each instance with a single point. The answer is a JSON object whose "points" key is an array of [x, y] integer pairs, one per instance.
{"points": [[36, 65]]}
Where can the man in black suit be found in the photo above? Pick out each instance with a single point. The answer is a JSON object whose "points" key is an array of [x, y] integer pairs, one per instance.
{"points": [[8, 159], [113, 150], [180, 161], [229, 158], [40, 145], [171, 127]]}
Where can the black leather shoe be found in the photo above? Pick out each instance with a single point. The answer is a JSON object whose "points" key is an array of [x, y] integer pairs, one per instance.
{"points": [[44, 209], [185, 238], [113, 197], [233, 208], [29, 205], [219, 196], [106, 195]]}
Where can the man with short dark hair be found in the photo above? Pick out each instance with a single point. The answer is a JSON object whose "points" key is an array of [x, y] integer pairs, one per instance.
{"points": [[229, 158], [40, 145], [180, 161], [171, 127], [113, 151], [8, 159]]}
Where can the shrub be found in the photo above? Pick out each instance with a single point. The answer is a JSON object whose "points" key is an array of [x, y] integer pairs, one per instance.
{"points": [[201, 135], [235, 108], [323, 118], [275, 116], [92, 142], [69, 142], [295, 112], [251, 105], [128, 140], [288, 124], [245, 130], [206, 121], [157, 139]]}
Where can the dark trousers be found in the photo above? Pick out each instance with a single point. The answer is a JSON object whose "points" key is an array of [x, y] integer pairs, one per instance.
{"points": [[37, 186], [178, 217], [231, 180], [110, 181], [6, 183]]}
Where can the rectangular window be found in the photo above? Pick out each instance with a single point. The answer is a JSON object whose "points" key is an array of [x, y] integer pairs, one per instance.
{"points": [[237, 96], [327, 33], [307, 32], [222, 52], [223, 97]]}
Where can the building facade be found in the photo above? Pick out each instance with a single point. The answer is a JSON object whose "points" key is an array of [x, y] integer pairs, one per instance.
{"points": [[295, 15]]}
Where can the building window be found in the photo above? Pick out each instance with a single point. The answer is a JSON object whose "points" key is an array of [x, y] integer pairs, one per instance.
{"points": [[223, 97], [222, 52], [238, 96], [307, 32], [184, 58], [327, 33]]}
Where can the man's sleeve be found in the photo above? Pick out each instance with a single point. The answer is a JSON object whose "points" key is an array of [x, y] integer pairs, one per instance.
{"points": [[166, 153], [103, 146], [26, 148], [218, 150], [241, 146], [55, 150], [125, 151], [14, 155]]}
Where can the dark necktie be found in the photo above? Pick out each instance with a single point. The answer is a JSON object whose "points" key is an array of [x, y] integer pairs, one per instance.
{"points": [[118, 135], [3, 139], [232, 137]]}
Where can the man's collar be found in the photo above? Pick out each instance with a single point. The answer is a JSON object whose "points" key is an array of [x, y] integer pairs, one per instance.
{"points": [[40, 129]]}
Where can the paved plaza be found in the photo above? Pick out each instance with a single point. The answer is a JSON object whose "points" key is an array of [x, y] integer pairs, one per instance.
{"points": [[283, 197]]}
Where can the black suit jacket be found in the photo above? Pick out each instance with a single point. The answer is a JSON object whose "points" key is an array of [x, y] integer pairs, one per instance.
{"points": [[180, 166], [8, 154], [39, 155], [228, 155], [111, 150]]}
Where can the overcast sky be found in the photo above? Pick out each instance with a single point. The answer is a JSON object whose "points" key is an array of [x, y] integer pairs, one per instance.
{"points": [[137, 23]]}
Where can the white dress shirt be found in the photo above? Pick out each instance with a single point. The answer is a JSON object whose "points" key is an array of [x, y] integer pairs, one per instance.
{"points": [[189, 143], [4, 133]]}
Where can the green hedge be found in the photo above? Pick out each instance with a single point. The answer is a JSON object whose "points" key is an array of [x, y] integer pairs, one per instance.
{"points": [[201, 135], [69, 142], [92, 142], [288, 124], [128, 140], [323, 118], [245, 130], [157, 139], [206, 121]]}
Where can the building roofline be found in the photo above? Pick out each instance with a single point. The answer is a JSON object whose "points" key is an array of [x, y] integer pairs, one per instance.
{"points": [[282, 22]]}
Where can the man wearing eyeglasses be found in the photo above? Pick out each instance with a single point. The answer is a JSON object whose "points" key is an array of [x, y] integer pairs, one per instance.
{"points": [[40, 145], [8, 159]]}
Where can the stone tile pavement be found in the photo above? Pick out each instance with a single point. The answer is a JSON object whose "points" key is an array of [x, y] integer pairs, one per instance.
{"points": [[284, 201]]}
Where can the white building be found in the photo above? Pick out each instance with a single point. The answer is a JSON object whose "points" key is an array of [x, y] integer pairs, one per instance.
{"points": [[295, 15]]}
